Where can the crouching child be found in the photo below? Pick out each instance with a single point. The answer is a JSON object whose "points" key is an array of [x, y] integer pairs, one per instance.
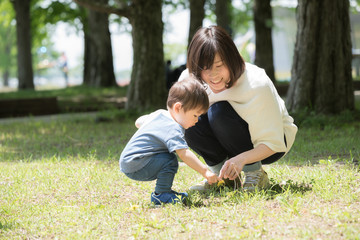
{"points": [[150, 153]]}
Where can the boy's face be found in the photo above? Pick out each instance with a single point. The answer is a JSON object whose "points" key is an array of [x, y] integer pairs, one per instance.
{"points": [[189, 118]]}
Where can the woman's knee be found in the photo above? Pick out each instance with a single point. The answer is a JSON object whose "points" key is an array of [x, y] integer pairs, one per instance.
{"points": [[220, 112], [222, 115]]}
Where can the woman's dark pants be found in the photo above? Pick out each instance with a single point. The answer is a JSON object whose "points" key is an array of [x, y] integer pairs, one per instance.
{"points": [[221, 134]]}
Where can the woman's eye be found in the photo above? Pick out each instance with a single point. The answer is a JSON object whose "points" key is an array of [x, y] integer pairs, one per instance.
{"points": [[219, 66]]}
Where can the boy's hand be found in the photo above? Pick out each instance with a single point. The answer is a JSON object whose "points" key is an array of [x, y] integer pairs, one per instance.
{"points": [[211, 177]]}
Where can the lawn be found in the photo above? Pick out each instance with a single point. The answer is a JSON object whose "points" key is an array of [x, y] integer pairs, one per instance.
{"points": [[75, 99], [60, 179]]}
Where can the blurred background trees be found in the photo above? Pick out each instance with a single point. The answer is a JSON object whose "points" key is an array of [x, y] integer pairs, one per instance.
{"points": [[8, 38], [321, 72], [26, 31]]}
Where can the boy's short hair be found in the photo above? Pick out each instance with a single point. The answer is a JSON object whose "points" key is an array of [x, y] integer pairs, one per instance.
{"points": [[190, 93]]}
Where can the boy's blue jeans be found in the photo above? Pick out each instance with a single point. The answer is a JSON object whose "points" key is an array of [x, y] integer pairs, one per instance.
{"points": [[221, 134], [162, 167]]}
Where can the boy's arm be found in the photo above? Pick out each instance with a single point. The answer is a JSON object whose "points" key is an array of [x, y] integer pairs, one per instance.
{"points": [[141, 120], [192, 161]]}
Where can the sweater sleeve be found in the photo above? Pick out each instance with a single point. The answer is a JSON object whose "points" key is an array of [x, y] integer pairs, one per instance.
{"points": [[256, 100], [265, 118], [184, 75]]}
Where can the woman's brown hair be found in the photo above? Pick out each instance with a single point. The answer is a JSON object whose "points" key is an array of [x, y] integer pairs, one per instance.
{"points": [[203, 47]]}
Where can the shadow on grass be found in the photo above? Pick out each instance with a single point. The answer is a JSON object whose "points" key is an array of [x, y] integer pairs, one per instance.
{"points": [[288, 186], [5, 225], [220, 195]]}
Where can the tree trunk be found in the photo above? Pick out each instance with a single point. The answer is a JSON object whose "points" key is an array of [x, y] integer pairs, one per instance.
{"points": [[6, 75], [100, 58], [197, 14], [147, 89], [8, 59], [24, 58], [85, 23], [321, 71], [264, 48], [223, 16], [147, 86], [87, 58]]}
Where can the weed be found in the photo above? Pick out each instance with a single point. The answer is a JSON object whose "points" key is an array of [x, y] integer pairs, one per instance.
{"points": [[60, 179]]}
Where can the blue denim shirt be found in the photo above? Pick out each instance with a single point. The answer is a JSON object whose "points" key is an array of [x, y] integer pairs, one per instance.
{"points": [[160, 133]]}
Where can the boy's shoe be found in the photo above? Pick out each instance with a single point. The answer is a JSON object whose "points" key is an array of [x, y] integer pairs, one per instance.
{"points": [[256, 179], [168, 197]]}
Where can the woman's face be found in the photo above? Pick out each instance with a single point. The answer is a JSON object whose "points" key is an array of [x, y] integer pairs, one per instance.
{"points": [[217, 76]]}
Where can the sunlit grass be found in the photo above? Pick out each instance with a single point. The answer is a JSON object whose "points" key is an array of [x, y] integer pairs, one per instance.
{"points": [[77, 98], [76, 91], [60, 179]]}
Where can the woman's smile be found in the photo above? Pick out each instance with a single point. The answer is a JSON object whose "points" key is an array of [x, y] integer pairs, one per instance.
{"points": [[216, 81], [217, 76]]}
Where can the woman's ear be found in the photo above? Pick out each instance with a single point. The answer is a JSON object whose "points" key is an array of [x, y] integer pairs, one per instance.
{"points": [[177, 106]]}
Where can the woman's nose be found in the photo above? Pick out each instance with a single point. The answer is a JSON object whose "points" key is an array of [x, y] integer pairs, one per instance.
{"points": [[213, 73]]}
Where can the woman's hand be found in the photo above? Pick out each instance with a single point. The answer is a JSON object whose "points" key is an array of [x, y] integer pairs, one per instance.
{"points": [[231, 169]]}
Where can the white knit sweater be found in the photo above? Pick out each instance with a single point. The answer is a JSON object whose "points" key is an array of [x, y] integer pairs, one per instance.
{"points": [[256, 100]]}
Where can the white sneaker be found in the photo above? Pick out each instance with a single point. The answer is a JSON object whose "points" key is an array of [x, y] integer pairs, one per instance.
{"points": [[201, 187], [256, 179]]}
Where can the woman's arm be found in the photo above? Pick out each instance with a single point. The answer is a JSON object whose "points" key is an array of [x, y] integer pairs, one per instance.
{"points": [[234, 166]]}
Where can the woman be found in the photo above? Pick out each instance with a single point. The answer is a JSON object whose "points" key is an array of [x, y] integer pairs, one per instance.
{"points": [[247, 124]]}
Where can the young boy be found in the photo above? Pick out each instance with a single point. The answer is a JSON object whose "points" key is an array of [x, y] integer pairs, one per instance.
{"points": [[150, 153]]}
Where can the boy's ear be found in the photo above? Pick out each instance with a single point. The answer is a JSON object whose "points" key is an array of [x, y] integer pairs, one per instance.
{"points": [[177, 106]]}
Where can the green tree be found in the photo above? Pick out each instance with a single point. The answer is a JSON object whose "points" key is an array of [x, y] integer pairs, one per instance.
{"points": [[263, 26], [32, 32], [98, 59], [7, 43], [147, 86], [23, 40], [197, 14], [223, 14], [99, 56], [321, 72]]}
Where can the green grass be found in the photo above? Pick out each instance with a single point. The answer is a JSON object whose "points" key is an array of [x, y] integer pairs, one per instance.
{"points": [[69, 92], [75, 99], [60, 179]]}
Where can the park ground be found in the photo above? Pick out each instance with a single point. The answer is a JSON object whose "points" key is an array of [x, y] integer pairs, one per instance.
{"points": [[60, 179]]}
